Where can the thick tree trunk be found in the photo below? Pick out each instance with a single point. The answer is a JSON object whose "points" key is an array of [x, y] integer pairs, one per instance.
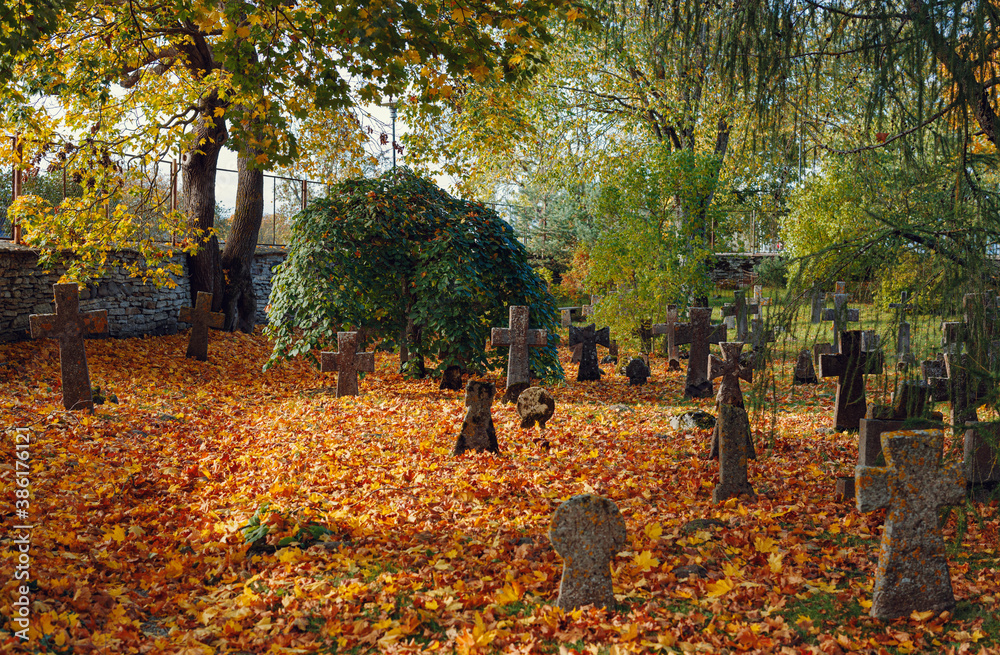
{"points": [[239, 301], [199, 164]]}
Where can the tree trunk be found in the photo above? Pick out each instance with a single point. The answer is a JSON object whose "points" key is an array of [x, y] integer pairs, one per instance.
{"points": [[199, 163], [239, 301]]}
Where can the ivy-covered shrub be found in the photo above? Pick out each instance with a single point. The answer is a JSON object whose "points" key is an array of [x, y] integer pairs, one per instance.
{"points": [[381, 253]]}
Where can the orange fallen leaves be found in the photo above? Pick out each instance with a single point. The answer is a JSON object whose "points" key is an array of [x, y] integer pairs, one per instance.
{"points": [[371, 537]]}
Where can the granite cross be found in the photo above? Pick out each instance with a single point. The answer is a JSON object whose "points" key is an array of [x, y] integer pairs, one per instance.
{"points": [[518, 338], [736, 313], [732, 441], [912, 572], [587, 531], [698, 332], [670, 348], [69, 325], [346, 363], [589, 338], [903, 354], [201, 317], [840, 315], [850, 367], [758, 338]]}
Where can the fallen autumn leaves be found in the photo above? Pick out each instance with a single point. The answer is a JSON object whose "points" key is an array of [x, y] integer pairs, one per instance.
{"points": [[141, 515]]}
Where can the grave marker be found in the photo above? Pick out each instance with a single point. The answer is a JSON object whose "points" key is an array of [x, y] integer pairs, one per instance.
{"points": [[699, 332], [912, 572], [587, 531], [69, 325], [850, 367], [201, 317], [979, 462], [535, 405], [567, 317], [519, 338], [758, 339], [840, 315], [478, 433], [904, 357], [737, 312], [670, 348], [346, 363], [735, 443], [588, 338], [805, 372], [817, 302]]}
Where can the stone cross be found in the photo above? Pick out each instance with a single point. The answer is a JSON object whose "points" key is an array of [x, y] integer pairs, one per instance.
{"points": [[757, 298], [909, 402], [699, 332], [912, 572], [817, 302], [850, 367], [567, 316], [731, 440], [587, 531], [588, 338], [69, 325], [840, 287], [519, 338], [903, 354], [964, 389], [758, 338], [980, 463], [478, 433], [805, 372], [201, 317], [935, 373], [670, 348], [736, 313], [840, 315], [346, 363]]}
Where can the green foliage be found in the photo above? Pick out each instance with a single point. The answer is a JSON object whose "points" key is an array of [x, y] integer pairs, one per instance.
{"points": [[648, 256], [772, 272], [379, 252]]}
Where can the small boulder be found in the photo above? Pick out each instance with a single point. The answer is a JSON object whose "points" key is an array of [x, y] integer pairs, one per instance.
{"points": [[535, 405], [693, 420]]}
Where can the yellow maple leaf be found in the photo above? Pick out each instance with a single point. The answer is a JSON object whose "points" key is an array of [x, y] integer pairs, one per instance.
{"points": [[720, 588], [921, 616], [118, 534], [645, 560], [765, 544], [511, 593], [653, 531], [774, 560], [261, 159], [243, 31], [219, 111]]}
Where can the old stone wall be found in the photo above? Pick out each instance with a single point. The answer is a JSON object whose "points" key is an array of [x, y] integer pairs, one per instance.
{"points": [[134, 308], [734, 270]]}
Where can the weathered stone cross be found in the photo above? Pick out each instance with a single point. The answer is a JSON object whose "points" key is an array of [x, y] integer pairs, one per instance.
{"points": [[519, 338], [840, 314], [912, 572], [732, 439], [903, 355], [850, 367], [670, 348], [587, 531], [201, 317], [346, 363], [698, 332], [758, 338], [589, 338], [69, 325], [736, 313]]}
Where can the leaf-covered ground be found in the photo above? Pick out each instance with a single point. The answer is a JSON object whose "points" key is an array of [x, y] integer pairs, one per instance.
{"points": [[372, 537]]}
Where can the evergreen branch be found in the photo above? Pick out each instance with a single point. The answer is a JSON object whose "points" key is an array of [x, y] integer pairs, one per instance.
{"points": [[875, 146], [847, 14]]}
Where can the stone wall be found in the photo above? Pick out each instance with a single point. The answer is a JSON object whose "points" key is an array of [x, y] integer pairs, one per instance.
{"points": [[735, 269], [134, 308]]}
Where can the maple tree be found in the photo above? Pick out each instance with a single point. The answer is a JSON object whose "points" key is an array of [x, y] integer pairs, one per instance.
{"points": [[182, 78], [220, 508], [402, 260]]}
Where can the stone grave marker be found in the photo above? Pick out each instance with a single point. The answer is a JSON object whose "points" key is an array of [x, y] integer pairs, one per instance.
{"points": [[518, 338], [910, 401], [478, 433], [346, 363], [201, 317], [904, 358], [612, 356], [840, 287], [979, 462], [587, 531], [964, 390], [850, 367], [670, 347], [736, 313], [805, 372], [758, 299], [699, 332], [840, 315], [535, 405], [637, 371], [758, 338], [567, 317], [912, 572], [735, 442], [69, 325], [817, 300], [935, 374], [588, 338]]}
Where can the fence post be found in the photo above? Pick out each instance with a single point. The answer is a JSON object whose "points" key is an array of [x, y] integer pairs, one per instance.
{"points": [[16, 184], [173, 196], [305, 194]]}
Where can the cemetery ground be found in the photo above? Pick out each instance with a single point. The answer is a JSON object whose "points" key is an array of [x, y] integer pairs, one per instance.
{"points": [[215, 508]]}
